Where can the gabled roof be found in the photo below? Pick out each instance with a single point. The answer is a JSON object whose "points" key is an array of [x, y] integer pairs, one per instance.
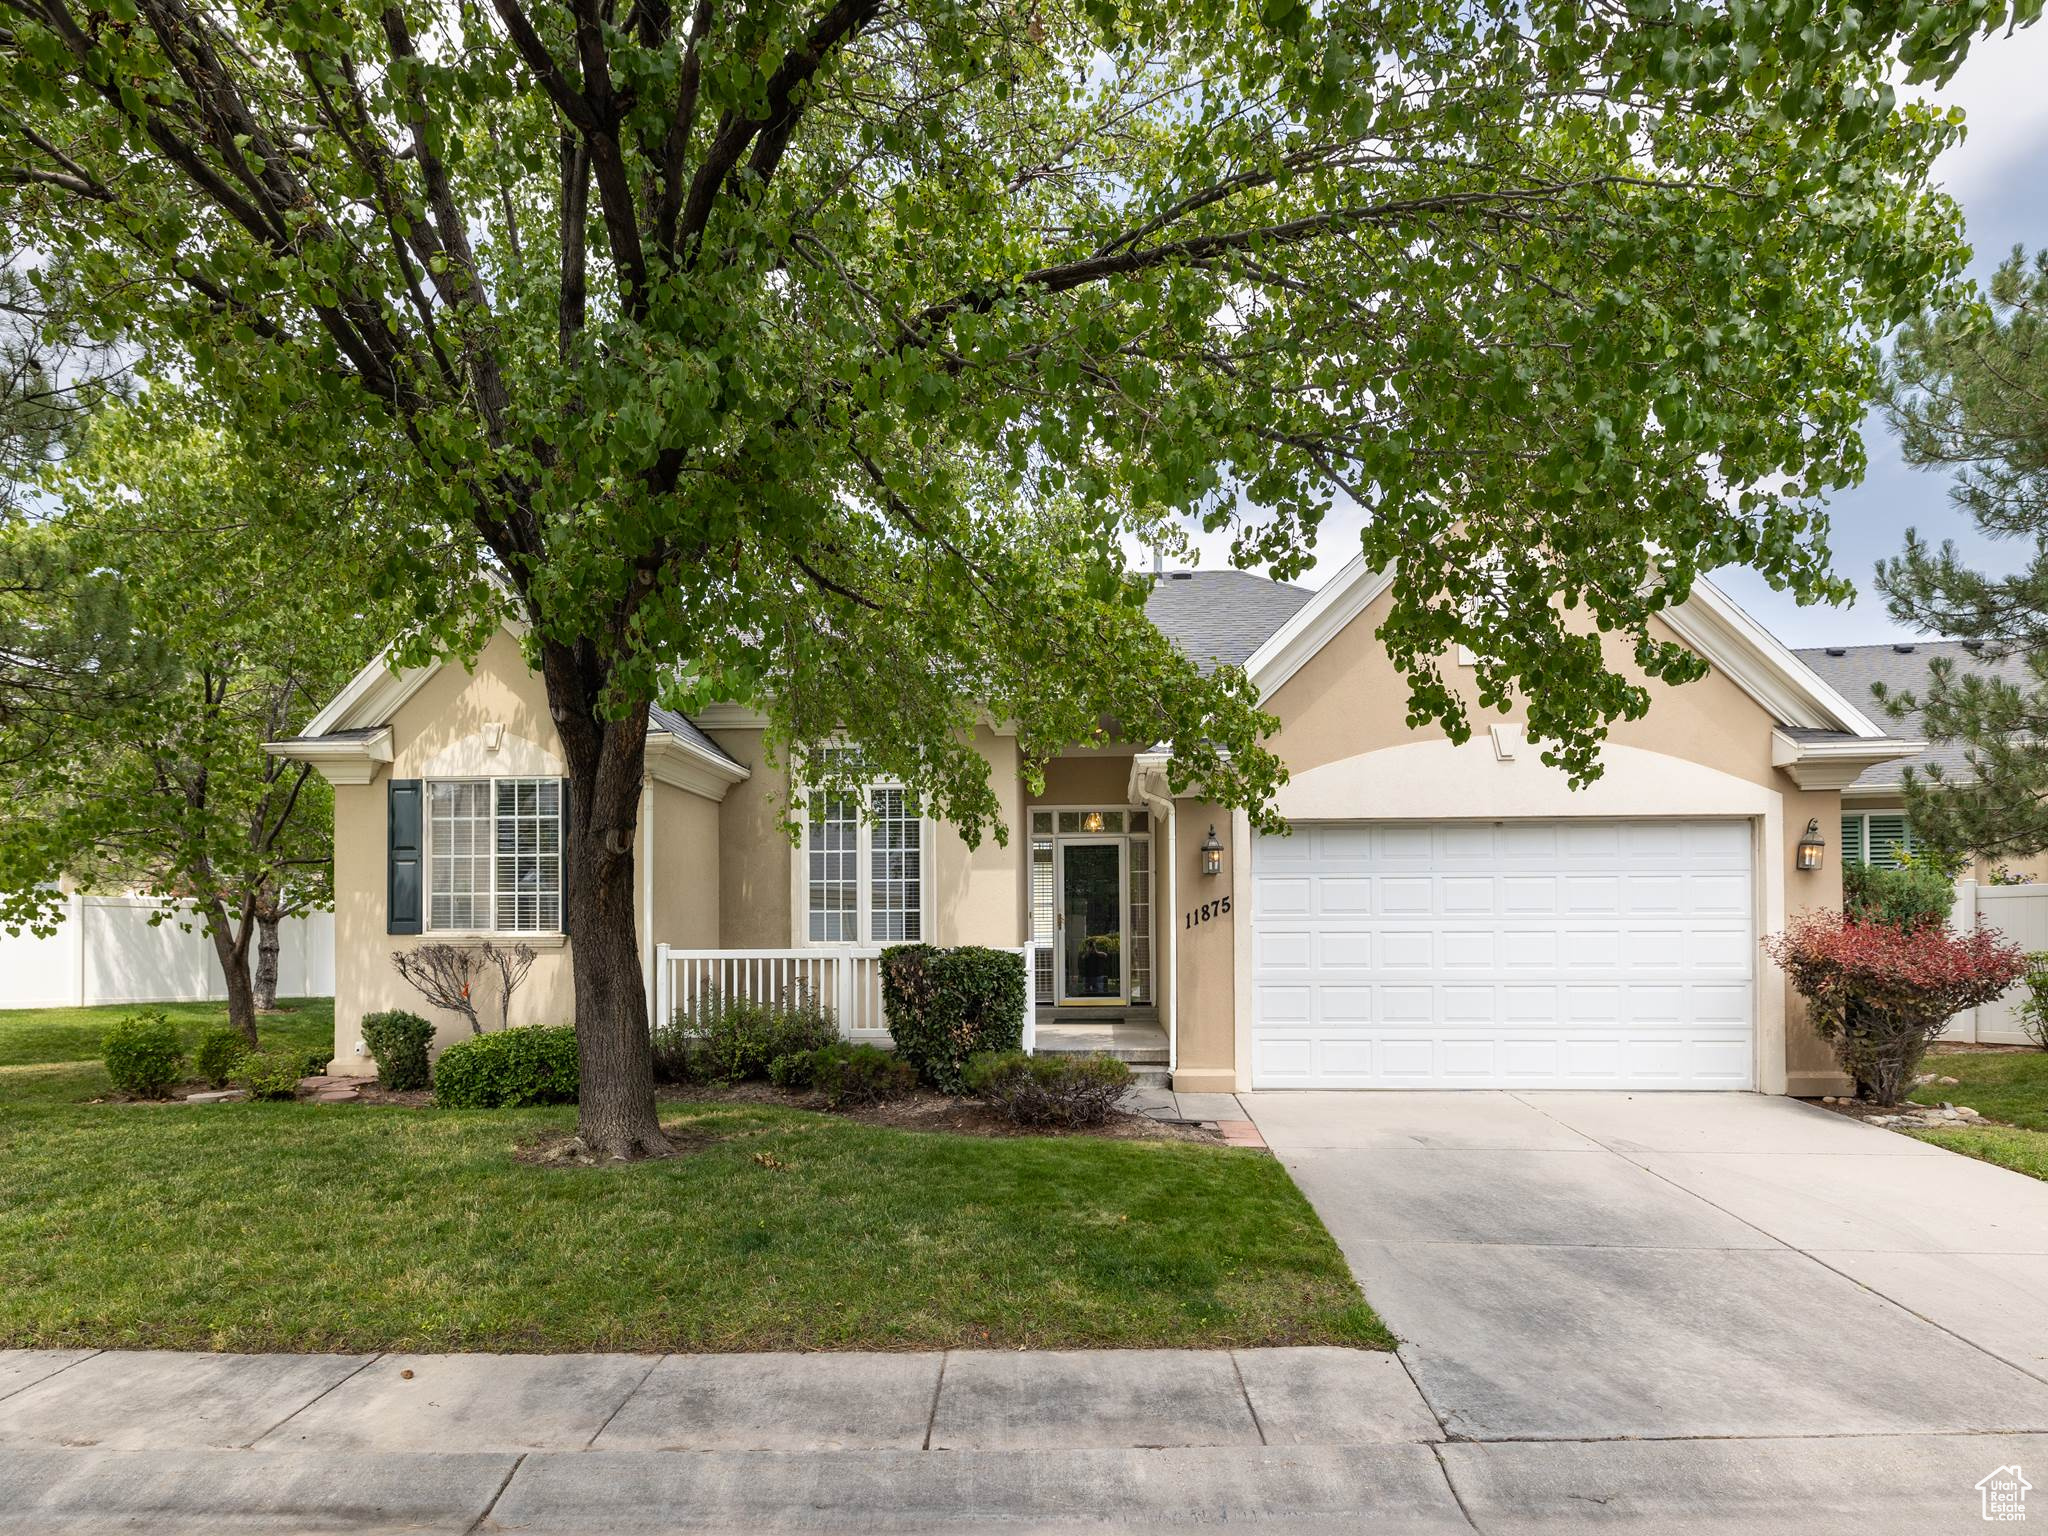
{"points": [[1902, 667], [352, 734], [1826, 736]]}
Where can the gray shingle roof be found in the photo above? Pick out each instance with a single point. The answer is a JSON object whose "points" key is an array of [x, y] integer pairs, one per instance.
{"points": [[1221, 617], [1902, 668], [686, 730]]}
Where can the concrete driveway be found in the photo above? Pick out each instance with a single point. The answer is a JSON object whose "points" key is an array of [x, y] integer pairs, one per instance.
{"points": [[1682, 1267]]}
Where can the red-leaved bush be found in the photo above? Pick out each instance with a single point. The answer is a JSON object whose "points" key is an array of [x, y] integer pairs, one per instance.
{"points": [[1878, 994]]}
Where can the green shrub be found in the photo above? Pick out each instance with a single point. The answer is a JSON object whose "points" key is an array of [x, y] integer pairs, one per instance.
{"points": [[2033, 1008], [792, 1072], [945, 1005], [1049, 1090], [721, 1039], [270, 1074], [317, 1061], [850, 1074], [143, 1054], [510, 1069], [220, 1051], [1913, 896], [399, 1041]]}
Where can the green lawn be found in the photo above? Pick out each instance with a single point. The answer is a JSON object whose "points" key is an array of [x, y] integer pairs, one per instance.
{"points": [[2011, 1087], [52, 1055], [252, 1226], [2007, 1086]]}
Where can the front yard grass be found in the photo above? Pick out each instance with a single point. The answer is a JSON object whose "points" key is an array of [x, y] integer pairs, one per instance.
{"points": [[354, 1227], [52, 1055], [2007, 1086]]}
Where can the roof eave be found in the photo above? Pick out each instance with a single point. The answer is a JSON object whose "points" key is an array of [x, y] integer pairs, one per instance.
{"points": [[1838, 763], [351, 759]]}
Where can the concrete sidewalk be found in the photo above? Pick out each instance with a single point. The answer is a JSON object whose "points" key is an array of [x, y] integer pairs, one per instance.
{"points": [[1282, 1440]]}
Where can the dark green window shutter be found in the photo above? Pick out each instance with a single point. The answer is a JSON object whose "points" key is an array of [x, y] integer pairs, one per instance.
{"points": [[403, 864]]}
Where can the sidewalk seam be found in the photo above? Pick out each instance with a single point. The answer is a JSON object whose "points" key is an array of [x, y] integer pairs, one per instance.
{"points": [[1246, 1393], [91, 1354], [931, 1421], [631, 1393], [1451, 1484], [253, 1441], [510, 1473]]}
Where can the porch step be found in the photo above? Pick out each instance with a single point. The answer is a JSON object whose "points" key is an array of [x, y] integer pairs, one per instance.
{"points": [[1138, 1045], [1151, 1077]]}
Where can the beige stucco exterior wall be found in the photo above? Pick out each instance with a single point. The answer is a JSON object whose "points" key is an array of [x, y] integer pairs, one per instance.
{"points": [[685, 876], [977, 894], [1087, 778], [437, 733], [1203, 957], [753, 849], [1349, 699]]}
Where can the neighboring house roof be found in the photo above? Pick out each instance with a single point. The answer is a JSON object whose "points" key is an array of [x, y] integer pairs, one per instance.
{"points": [[1902, 668], [1221, 617]]}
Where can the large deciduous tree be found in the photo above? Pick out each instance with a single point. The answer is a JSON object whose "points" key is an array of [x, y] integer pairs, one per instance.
{"points": [[828, 352], [1970, 398], [184, 617]]}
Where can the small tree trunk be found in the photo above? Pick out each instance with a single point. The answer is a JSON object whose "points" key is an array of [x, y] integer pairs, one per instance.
{"points": [[232, 950], [267, 924]]}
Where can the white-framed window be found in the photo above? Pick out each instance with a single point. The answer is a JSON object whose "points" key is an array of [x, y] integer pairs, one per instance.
{"points": [[494, 855], [864, 876], [1876, 837]]}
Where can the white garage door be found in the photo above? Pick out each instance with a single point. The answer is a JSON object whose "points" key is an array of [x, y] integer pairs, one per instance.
{"points": [[1565, 954]]}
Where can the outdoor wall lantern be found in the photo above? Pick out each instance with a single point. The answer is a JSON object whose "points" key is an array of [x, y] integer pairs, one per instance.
{"points": [[1212, 853], [1811, 847], [1092, 822]]}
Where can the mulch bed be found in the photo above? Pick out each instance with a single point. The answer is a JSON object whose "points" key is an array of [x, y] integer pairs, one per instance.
{"points": [[923, 1110]]}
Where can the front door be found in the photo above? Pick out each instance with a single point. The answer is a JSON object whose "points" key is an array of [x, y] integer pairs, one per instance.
{"points": [[1090, 920]]}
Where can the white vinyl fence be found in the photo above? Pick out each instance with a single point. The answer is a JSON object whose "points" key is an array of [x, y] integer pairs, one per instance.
{"points": [[2020, 912], [106, 951], [846, 980]]}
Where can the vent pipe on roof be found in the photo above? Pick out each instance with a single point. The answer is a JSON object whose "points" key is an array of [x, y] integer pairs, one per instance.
{"points": [[1836, 650], [1903, 650]]}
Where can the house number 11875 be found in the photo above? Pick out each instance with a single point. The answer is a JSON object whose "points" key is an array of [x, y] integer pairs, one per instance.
{"points": [[1205, 911]]}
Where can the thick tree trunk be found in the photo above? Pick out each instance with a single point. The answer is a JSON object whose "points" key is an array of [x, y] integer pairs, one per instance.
{"points": [[607, 761], [266, 961]]}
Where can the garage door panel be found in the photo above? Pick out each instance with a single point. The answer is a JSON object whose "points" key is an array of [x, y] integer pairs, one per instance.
{"points": [[1535, 954]]}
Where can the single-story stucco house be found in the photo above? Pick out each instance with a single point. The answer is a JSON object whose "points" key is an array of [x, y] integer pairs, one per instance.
{"points": [[1442, 916]]}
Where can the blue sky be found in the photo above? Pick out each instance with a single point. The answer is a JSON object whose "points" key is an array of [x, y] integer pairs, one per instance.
{"points": [[1999, 174]]}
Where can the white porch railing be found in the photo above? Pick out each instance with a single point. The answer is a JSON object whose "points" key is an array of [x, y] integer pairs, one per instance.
{"points": [[846, 980]]}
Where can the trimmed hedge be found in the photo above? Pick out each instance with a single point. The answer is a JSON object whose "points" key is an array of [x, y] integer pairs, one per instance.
{"points": [[220, 1052], [945, 1005], [398, 1041], [1049, 1090], [509, 1069], [143, 1053], [270, 1075]]}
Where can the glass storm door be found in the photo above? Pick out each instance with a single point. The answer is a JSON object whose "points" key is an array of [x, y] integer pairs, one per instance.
{"points": [[1090, 920]]}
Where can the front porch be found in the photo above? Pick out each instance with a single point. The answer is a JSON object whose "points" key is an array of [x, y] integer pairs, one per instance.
{"points": [[1140, 1043]]}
